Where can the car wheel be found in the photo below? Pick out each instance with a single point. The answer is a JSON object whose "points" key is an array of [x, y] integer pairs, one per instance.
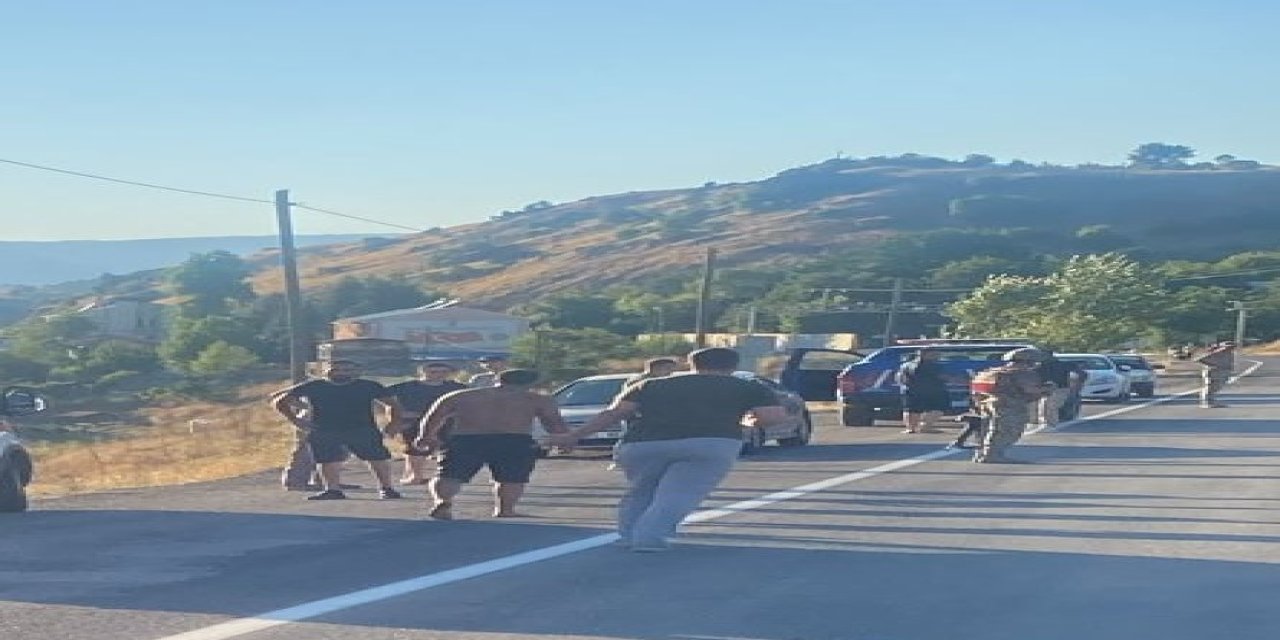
{"points": [[753, 442], [13, 496], [803, 436], [856, 415]]}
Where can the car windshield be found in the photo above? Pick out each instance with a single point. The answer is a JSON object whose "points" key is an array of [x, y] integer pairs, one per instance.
{"points": [[1133, 362], [1091, 364], [589, 392]]}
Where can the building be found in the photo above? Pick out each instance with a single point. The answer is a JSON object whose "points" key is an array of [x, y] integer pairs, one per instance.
{"points": [[433, 332], [125, 318]]}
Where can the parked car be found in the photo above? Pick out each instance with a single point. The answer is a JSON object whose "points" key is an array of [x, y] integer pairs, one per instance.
{"points": [[866, 387], [1105, 379], [581, 400], [16, 466], [584, 398], [1141, 373]]}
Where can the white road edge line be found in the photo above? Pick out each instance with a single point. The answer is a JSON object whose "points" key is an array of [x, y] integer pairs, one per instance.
{"points": [[316, 608]]}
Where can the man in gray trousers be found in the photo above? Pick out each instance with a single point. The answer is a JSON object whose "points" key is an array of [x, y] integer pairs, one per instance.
{"points": [[684, 436]]}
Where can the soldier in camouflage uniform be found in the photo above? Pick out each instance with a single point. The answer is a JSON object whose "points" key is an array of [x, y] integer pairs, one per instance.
{"points": [[1007, 403]]}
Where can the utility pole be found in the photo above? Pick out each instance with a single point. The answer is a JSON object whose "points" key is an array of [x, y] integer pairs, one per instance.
{"points": [[704, 299], [292, 290], [1242, 320], [753, 313], [891, 317]]}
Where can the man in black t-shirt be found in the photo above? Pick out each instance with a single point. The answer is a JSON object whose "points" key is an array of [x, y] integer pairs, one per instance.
{"points": [[336, 414], [685, 437], [416, 398]]}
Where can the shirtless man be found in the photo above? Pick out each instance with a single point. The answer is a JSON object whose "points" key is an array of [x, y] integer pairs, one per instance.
{"points": [[490, 427]]}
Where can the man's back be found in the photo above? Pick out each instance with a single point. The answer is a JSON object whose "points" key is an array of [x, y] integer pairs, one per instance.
{"points": [[496, 410], [693, 405]]}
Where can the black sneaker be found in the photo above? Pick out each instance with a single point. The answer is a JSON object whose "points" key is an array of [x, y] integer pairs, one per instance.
{"points": [[328, 494], [387, 493]]}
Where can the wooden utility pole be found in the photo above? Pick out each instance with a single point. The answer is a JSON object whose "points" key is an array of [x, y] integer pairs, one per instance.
{"points": [[1242, 319], [292, 290], [891, 318], [704, 298]]}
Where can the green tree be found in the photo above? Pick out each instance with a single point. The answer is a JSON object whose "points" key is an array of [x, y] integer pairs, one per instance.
{"points": [[972, 272], [110, 356], [15, 369], [188, 337], [53, 340], [1092, 302], [562, 353], [572, 310], [221, 358], [210, 283], [1158, 155], [352, 296]]}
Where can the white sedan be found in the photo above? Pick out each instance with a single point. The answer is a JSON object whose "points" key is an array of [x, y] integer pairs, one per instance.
{"points": [[1104, 379]]}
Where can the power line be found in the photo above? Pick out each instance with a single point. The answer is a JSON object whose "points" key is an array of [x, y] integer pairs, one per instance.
{"points": [[207, 194], [354, 217], [135, 183]]}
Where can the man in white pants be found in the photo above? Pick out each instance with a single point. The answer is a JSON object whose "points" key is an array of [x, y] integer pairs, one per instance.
{"points": [[684, 436]]}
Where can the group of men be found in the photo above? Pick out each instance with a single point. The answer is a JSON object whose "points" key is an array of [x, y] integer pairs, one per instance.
{"points": [[333, 416], [683, 435], [1033, 386]]}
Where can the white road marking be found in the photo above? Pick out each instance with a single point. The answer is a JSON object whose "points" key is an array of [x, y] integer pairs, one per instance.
{"points": [[316, 608]]}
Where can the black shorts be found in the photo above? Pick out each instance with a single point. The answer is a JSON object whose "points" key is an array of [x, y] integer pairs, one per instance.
{"points": [[509, 456], [332, 445], [925, 401]]}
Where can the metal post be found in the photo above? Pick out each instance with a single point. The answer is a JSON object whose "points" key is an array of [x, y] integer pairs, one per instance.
{"points": [[292, 290], [752, 314], [704, 299], [891, 318]]}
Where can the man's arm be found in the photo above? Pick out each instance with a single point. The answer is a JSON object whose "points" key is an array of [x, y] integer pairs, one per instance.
{"points": [[549, 415], [433, 421], [395, 414], [287, 405], [617, 412]]}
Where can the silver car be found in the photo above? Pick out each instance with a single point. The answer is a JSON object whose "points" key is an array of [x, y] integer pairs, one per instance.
{"points": [[584, 398]]}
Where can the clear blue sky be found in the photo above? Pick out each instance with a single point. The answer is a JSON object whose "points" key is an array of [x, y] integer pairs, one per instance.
{"points": [[434, 112]]}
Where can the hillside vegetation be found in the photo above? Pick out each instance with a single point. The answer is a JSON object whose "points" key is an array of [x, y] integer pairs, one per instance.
{"points": [[835, 207]]}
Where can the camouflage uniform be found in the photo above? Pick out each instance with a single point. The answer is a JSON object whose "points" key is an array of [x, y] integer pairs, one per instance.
{"points": [[1218, 367], [1008, 410]]}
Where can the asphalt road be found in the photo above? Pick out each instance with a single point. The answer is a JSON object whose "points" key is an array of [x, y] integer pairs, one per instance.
{"points": [[1159, 522]]}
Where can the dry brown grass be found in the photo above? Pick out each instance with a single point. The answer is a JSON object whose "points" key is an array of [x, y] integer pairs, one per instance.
{"points": [[192, 442]]}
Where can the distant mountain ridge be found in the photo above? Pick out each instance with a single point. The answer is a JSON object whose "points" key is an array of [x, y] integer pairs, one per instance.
{"points": [[56, 261]]}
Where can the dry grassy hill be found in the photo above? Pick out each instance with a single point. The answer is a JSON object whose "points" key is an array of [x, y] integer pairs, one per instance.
{"points": [[835, 206]]}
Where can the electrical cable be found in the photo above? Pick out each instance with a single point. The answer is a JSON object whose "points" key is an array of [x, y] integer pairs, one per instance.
{"points": [[208, 194]]}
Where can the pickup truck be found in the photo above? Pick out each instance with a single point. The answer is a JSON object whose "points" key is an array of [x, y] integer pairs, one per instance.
{"points": [[865, 387]]}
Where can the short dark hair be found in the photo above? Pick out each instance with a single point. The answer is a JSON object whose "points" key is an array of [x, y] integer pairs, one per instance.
{"points": [[653, 362], [715, 358], [518, 377]]}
